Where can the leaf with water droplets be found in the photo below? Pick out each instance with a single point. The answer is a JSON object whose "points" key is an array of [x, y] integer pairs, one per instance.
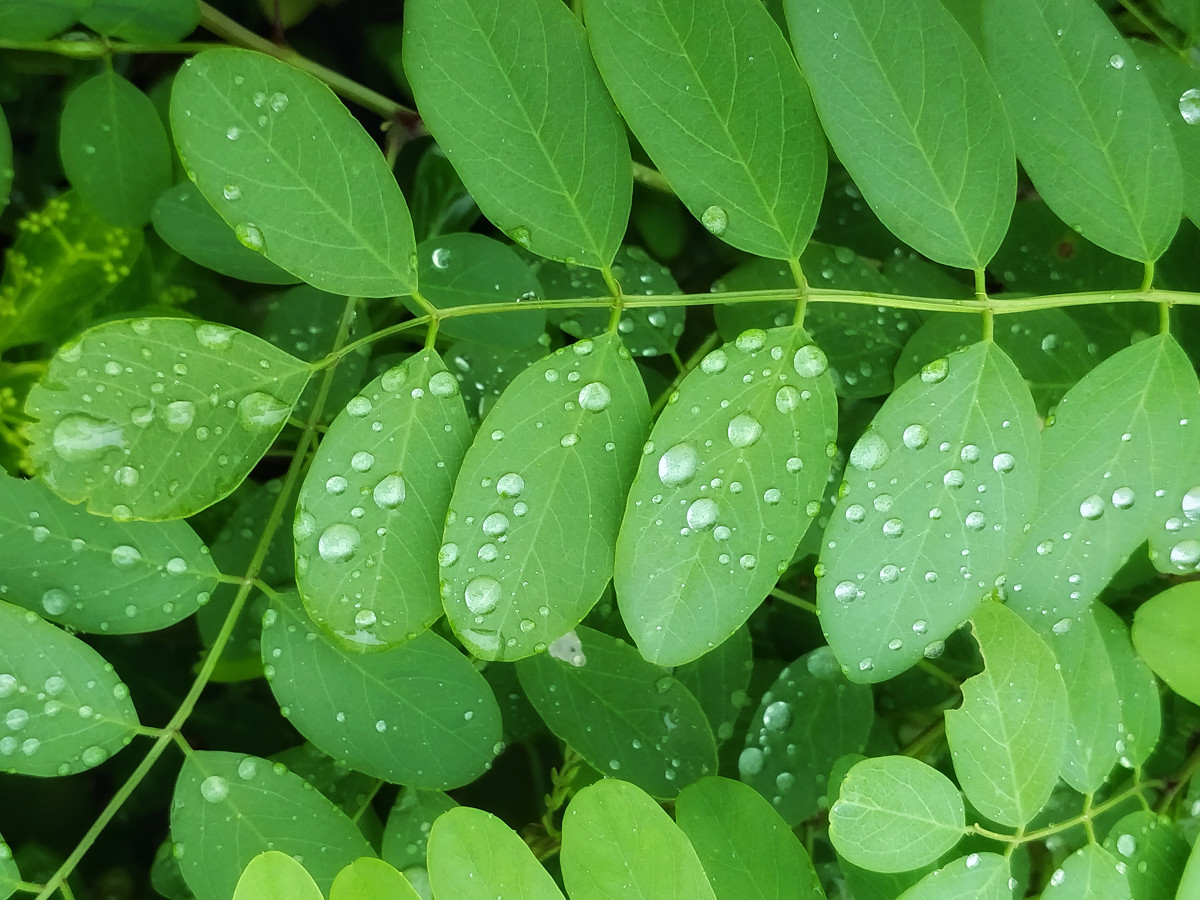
{"points": [[628, 718], [419, 714], [371, 879], [1137, 691], [618, 842], [1063, 71], [1124, 466], [912, 113], [747, 851], [406, 831], [981, 876], [533, 521], [293, 173], [484, 372], [1177, 88], [475, 856], [808, 719], [273, 875], [1153, 850], [714, 95], [894, 813], [63, 708], [724, 492], [1007, 738], [719, 679], [929, 512], [478, 73], [229, 807], [1090, 873], [1166, 633], [367, 526], [93, 574], [158, 418]]}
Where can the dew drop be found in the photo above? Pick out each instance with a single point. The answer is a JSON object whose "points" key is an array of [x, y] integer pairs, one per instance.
{"points": [[1189, 106], [54, 602], [870, 452], [936, 371], [751, 340], [261, 410], [389, 493], [715, 219], [1003, 463], [1092, 507], [510, 485], [810, 362], [448, 555], [750, 762], [443, 385], [440, 257], [482, 594], [214, 789], [915, 437], [250, 236], [702, 514], [126, 476], [777, 716], [846, 591], [595, 397], [714, 363], [1122, 498], [1186, 553], [678, 464], [362, 461], [1191, 504], [495, 525], [338, 542], [787, 399], [744, 430], [78, 437]]}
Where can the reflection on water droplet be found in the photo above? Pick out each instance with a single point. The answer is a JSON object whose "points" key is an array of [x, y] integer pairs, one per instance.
{"points": [[678, 464], [714, 363], [214, 789], [702, 514], [510, 485], [1117, 61], [482, 594], [916, 436], [123, 556], [595, 397], [1186, 553], [1003, 463], [744, 430], [389, 493], [1092, 507], [787, 399], [810, 362], [440, 257], [1122, 498], [870, 452], [250, 236], [338, 542], [79, 437], [715, 219], [180, 415], [1189, 106], [936, 371], [55, 602], [443, 385]]}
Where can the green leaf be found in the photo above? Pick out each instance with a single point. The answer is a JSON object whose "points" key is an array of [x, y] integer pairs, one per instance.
{"points": [[93, 574], [808, 719], [475, 856], [1137, 691], [114, 149], [6, 161], [10, 876], [469, 269], [419, 714], [982, 876], [913, 115], [286, 165], [1088, 129], [514, 98], [747, 851], [276, 876], [1176, 84], [713, 94], [618, 842], [1166, 633], [1119, 460], [929, 512], [159, 418], [371, 879], [367, 522], [351, 791], [533, 521], [894, 813], [407, 830], [1189, 882], [727, 486], [1008, 737], [37, 20], [229, 807], [484, 372], [143, 21], [719, 679], [1090, 873], [625, 716], [439, 202], [63, 707], [192, 228], [1154, 852]]}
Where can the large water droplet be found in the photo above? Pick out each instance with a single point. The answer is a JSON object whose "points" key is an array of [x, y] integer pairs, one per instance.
{"points": [[714, 363], [214, 789], [443, 385], [1189, 106], [1003, 463], [78, 437], [440, 257], [1186, 553], [702, 514], [510, 485], [338, 542], [595, 397], [750, 762], [810, 362], [250, 236], [715, 219], [678, 464], [55, 601], [389, 493], [787, 399], [1123, 497], [751, 340], [744, 430], [482, 594], [777, 716], [916, 436], [936, 371], [214, 337], [123, 556], [260, 410], [1092, 507], [495, 525], [870, 452], [569, 649], [1191, 504], [180, 415]]}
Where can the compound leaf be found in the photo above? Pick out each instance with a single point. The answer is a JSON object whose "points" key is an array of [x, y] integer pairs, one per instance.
{"points": [[158, 418], [293, 173], [475, 856], [371, 879], [983, 876], [276, 876], [1166, 633]]}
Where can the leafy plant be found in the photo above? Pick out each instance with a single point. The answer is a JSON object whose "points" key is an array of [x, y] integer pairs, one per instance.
{"points": [[692, 440]]}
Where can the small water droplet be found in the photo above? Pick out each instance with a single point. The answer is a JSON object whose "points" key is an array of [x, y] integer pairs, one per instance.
{"points": [[750, 762], [777, 716], [250, 236], [1117, 61], [389, 492], [936, 371], [715, 219]]}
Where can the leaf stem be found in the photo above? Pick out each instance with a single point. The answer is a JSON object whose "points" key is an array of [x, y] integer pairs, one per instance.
{"points": [[802, 288], [800, 602], [618, 298]]}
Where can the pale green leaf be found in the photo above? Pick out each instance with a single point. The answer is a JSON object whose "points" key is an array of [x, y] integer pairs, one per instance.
{"points": [[143, 21], [512, 95], [1137, 691], [1154, 852], [809, 718], [159, 418], [533, 520], [229, 807], [1166, 633], [10, 876], [980, 876], [913, 115], [63, 707], [94, 574], [367, 525], [719, 679], [618, 842], [475, 856], [1176, 85], [37, 20], [1088, 129], [1090, 873], [727, 486], [406, 832], [114, 149], [419, 714], [1008, 737], [713, 94], [929, 512], [625, 716], [276, 876], [894, 813], [747, 851], [292, 172], [371, 879]]}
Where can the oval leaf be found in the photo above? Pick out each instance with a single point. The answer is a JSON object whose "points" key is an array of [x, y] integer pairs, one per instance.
{"points": [[371, 879], [1090, 873], [475, 856], [406, 832], [1154, 852], [982, 876], [276, 876], [1166, 633], [159, 418]]}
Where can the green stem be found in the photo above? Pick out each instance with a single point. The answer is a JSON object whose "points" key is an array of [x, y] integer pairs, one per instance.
{"points": [[802, 288], [800, 602], [694, 360], [617, 300], [651, 178]]}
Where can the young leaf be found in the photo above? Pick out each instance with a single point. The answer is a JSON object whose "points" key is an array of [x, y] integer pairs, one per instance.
{"points": [[618, 842], [719, 679], [1007, 738], [747, 851], [419, 714], [475, 856], [533, 521], [724, 493], [143, 21], [1166, 633], [158, 418], [625, 716], [808, 719], [514, 98], [292, 172], [229, 807], [63, 707], [929, 511], [713, 94], [981, 876], [276, 876], [913, 115], [1137, 691], [371, 879], [1088, 128], [367, 522], [406, 832], [1090, 873], [93, 574], [1153, 850], [114, 149], [894, 813]]}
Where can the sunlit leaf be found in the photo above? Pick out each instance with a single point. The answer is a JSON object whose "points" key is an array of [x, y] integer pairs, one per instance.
{"points": [[1166, 633], [1153, 850], [1090, 873], [475, 856], [407, 829], [371, 879], [1137, 691], [276, 876], [143, 21], [981, 876], [718, 680]]}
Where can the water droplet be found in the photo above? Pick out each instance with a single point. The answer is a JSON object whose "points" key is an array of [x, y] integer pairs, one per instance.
{"points": [[1186, 553], [1045, 548], [678, 464], [93, 756], [336, 485], [870, 452], [176, 565], [338, 542], [440, 257], [1122, 498], [232, 192], [915, 437], [715, 219], [569, 649], [972, 861], [448, 555], [744, 430], [443, 385], [55, 602], [847, 591], [893, 528], [1117, 61], [250, 236], [124, 556], [233, 132], [495, 525], [362, 461], [750, 762], [569, 440], [1126, 845], [969, 453], [1003, 462], [954, 479], [595, 397], [751, 340], [520, 235], [889, 574], [180, 415], [510, 485], [389, 493], [934, 649], [748, 561], [1189, 106], [482, 594], [1092, 507], [702, 514], [975, 520], [213, 337], [126, 476], [855, 513], [810, 362], [787, 399], [279, 102], [259, 410], [1062, 626], [79, 437], [936, 371], [214, 789], [772, 496], [777, 716], [714, 363]]}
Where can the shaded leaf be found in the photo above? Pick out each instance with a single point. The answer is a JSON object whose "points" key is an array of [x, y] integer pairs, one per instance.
{"points": [[1137, 691], [439, 202], [406, 832], [276, 876], [37, 20], [10, 876], [484, 372], [718, 680], [983, 876], [1176, 86], [475, 856], [143, 21], [1154, 852], [1166, 633], [371, 879], [6, 161], [1090, 873]]}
